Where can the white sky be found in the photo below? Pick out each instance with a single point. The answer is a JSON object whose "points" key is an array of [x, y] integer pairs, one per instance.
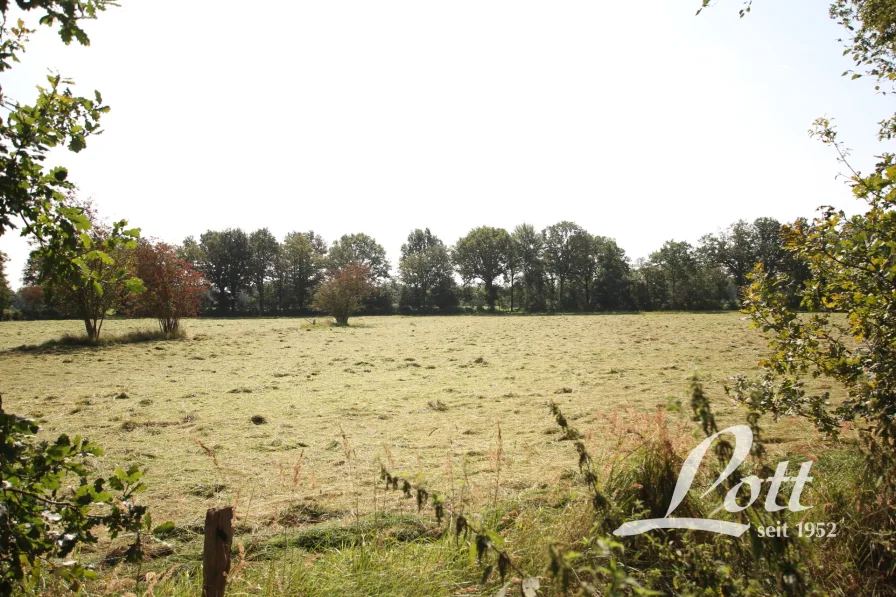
{"points": [[635, 119]]}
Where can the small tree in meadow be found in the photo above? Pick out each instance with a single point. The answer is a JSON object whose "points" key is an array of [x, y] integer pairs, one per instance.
{"points": [[173, 288], [99, 279], [342, 293]]}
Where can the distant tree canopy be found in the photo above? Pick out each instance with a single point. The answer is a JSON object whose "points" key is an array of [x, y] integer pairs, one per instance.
{"points": [[359, 249], [528, 250], [427, 272], [264, 250], [484, 254], [302, 268], [560, 268], [224, 260]]}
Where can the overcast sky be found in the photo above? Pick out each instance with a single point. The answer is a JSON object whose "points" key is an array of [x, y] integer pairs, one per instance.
{"points": [[637, 119]]}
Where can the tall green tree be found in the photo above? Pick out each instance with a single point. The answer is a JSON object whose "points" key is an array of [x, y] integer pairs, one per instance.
{"points": [[648, 285], [770, 249], [612, 284], [360, 249], [677, 263], [191, 252], [585, 265], [742, 245], [735, 249], [483, 254], [225, 264], [512, 271], [263, 254], [528, 248], [562, 255], [303, 256], [426, 270]]}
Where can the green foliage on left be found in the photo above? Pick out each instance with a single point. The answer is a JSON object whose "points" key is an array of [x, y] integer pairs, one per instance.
{"points": [[29, 191], [49, 504], [5, 290]]}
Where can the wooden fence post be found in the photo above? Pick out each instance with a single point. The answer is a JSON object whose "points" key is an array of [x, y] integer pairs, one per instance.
{"points": [[216, 553]]}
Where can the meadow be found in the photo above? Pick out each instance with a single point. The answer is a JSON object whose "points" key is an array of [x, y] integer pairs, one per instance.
{"points": [[292, 419]]}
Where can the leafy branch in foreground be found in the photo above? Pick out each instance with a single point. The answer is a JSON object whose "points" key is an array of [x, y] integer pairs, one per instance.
{"points": [[848, 334], [28, 190], [679, 562], [482, 542], [49, 505]]}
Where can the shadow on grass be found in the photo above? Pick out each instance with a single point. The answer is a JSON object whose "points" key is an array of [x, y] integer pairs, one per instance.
{"points": [[326, 324], [69, 342], [337, 535]]}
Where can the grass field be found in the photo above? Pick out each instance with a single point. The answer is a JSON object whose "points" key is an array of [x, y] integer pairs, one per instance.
{"points": [[292, 421]]}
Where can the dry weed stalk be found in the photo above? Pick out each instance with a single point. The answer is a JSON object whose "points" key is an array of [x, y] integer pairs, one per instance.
{"points": [[208, 452], [389, 455], [297, 471], [241, 565], [350, 456], [496, 460]]}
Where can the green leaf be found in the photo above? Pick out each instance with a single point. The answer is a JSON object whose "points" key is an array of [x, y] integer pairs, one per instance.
{"points": [[496, 539], [80, 221], [101, 256], [164, 529], [77, 143], [135, 285]]}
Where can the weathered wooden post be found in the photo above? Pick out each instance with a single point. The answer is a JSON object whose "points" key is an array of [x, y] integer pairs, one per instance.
{"points": [[216, 553]]}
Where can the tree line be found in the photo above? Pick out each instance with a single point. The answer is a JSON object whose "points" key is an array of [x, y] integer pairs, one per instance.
{"points": [[560, 268]]}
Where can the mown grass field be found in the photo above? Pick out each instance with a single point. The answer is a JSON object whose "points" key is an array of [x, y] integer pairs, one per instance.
{"points": [[292, 421]]}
